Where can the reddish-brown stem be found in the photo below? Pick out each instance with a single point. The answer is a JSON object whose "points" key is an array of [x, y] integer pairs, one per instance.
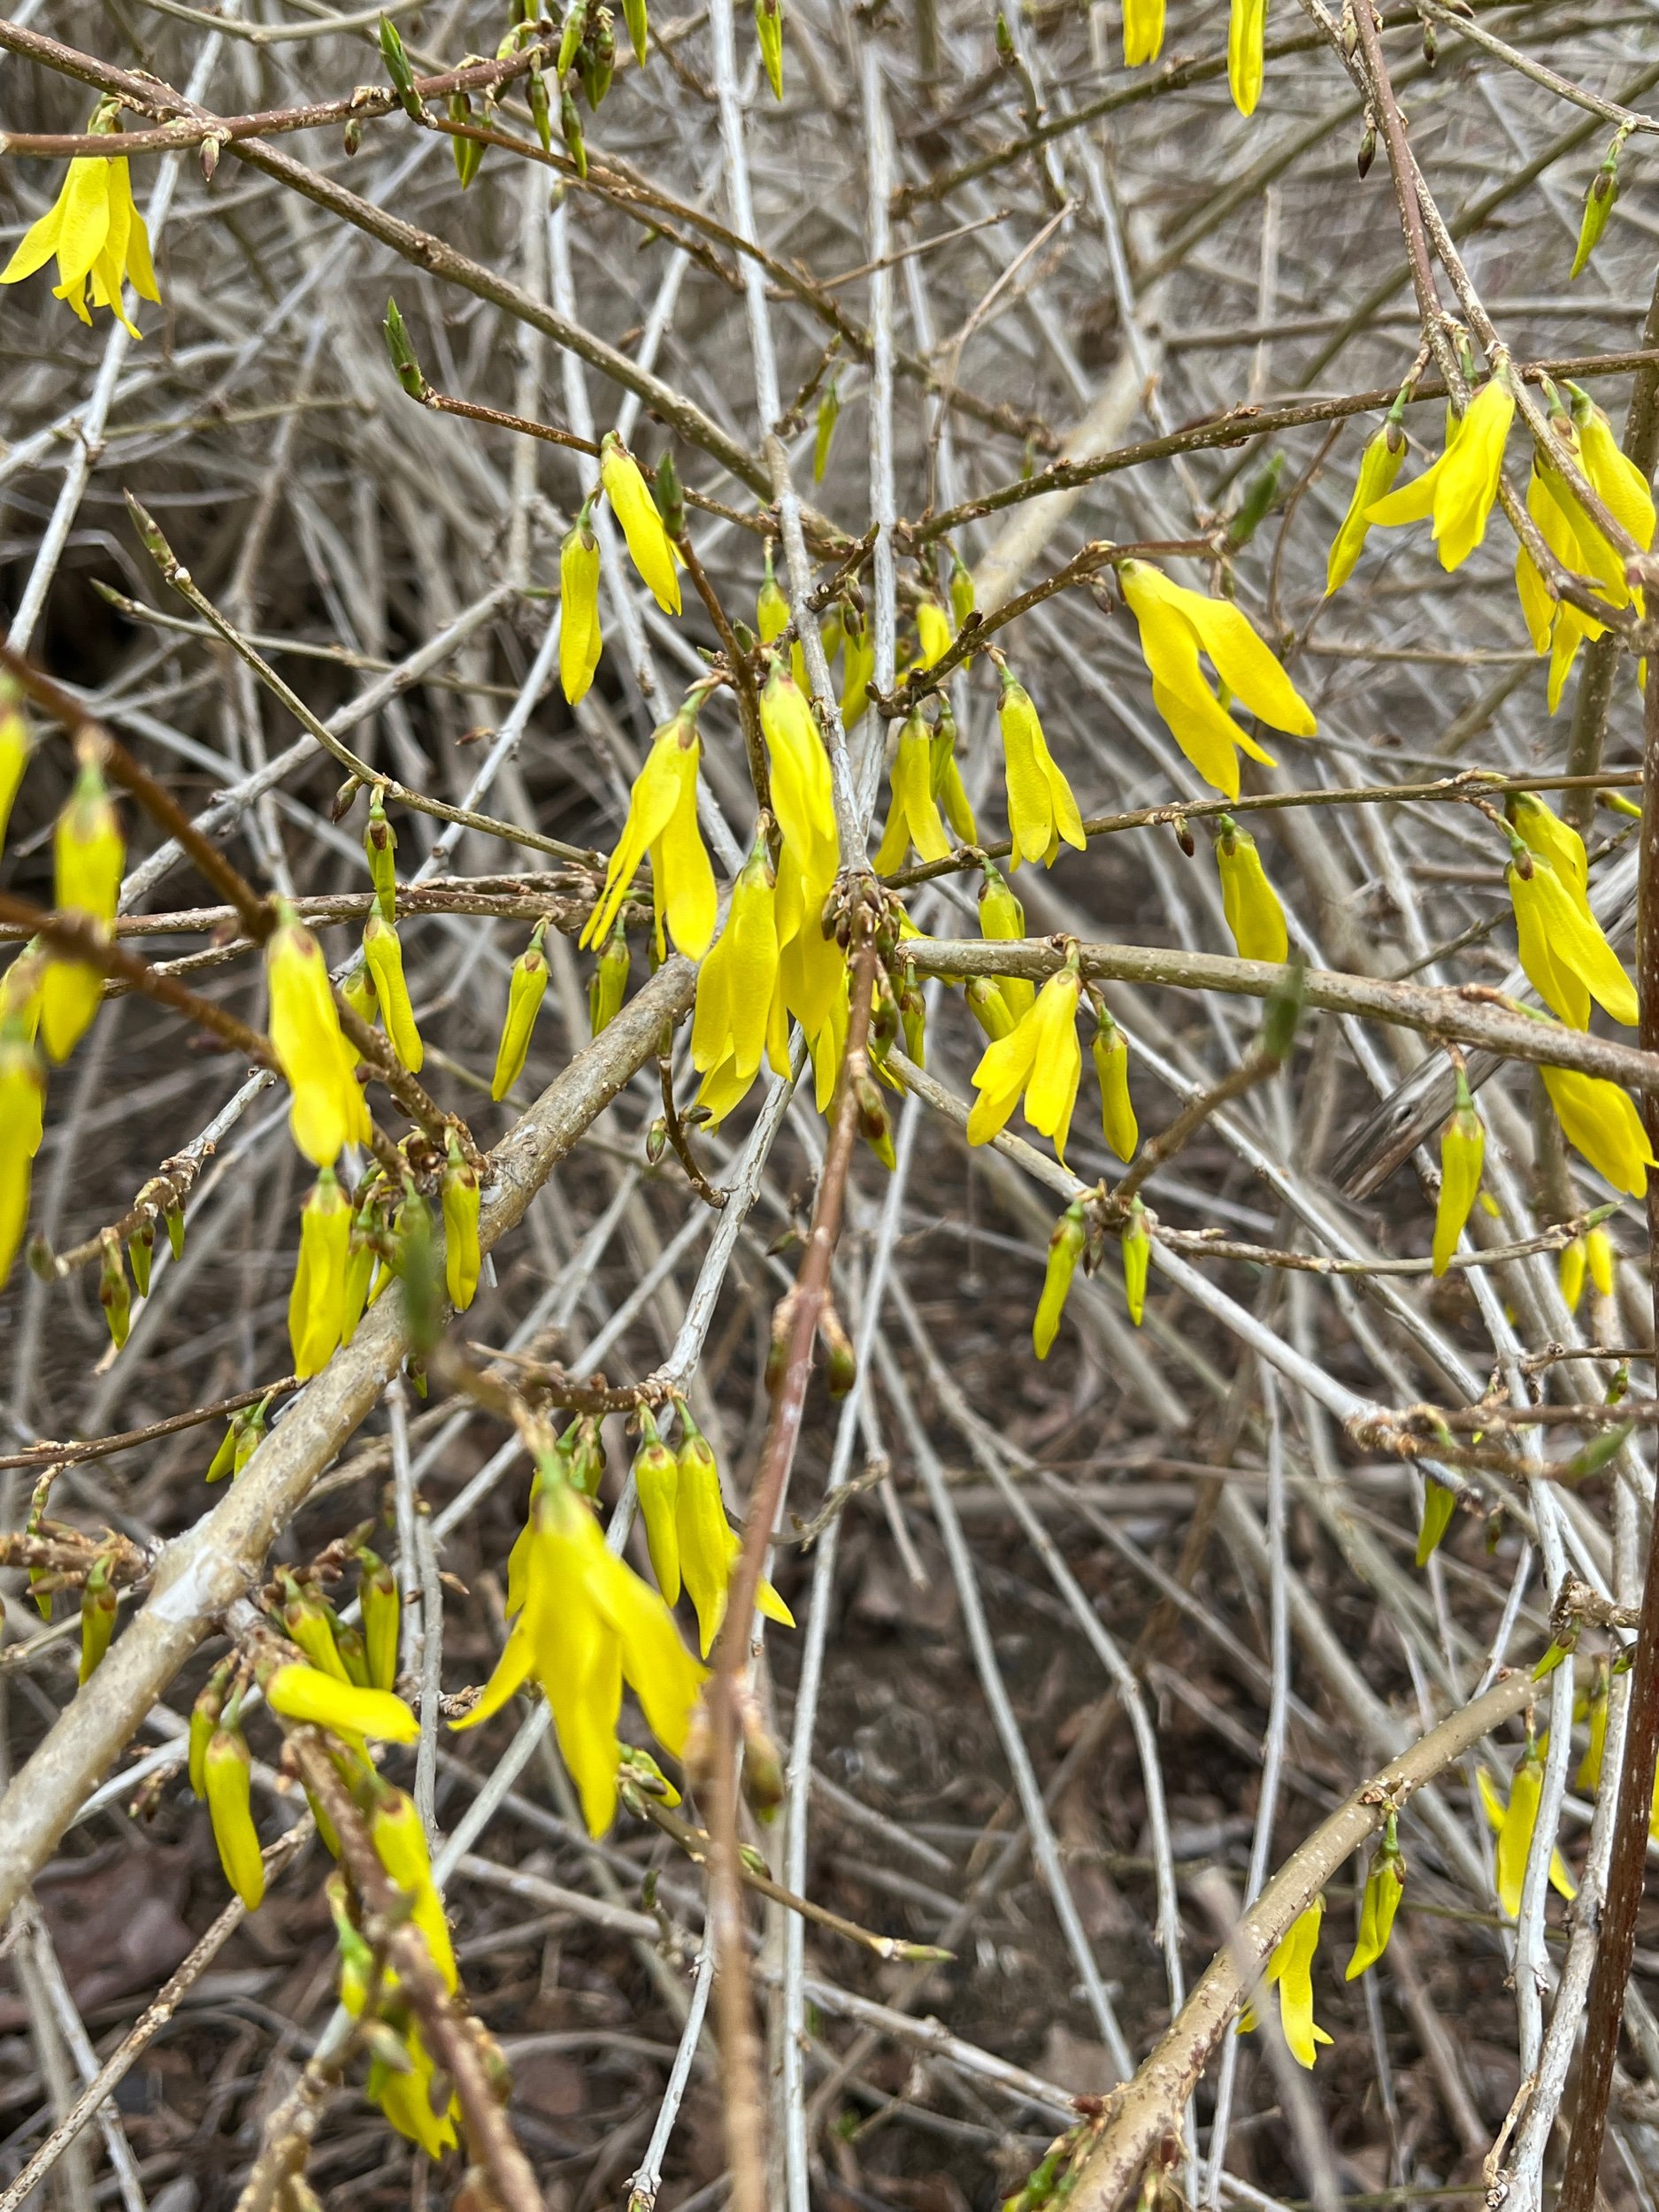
{"points": [[798, 1315], [1628, 1864]]}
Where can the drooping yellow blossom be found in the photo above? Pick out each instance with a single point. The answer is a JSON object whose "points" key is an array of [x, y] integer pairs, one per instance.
{"points": [[400, 1844], [1040, 808], [1542, 830], [1463, 1156], [579, 639], [1439, 1505], [327, 1110], [913, 811], [1570, 1273], [306, 1694], [588, 1622], [1247, 33], [650, 547], [525, 993], [812, 974], [801, 796], [706, 1542], [1567, 959], [1602, 1122], [1002, 919], [22, 1102], [1067, 1242], [382, 1619], [1378, 469], [1143, 31], [463, 1258], [1110, 1054], [1513, 1824], [95, 232], [1554, 626], [987, 1005], [769, 30], [662, 821], [383, 952], [1248, 900], [1137, 1258], [87, 856], [1177, 625], [228, 1774], [656, 1472], [1038, 1058], [1616, 479], [1601, 1257], [1385, 1885], [933, 633], [1589, 1775], [14, 748], [318, 1296], [948, 787], [1458, 490], [1290, 1971], [739, 1015]]}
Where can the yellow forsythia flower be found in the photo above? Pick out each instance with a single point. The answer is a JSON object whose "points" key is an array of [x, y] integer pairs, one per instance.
{"points": [[1553, 627], [1067, 1242], [1542, 830], [1463, 1156], [305, 1693], [327, 1110], [590, 1624], [706, 1541], [1176, 625], [1602, 1122], [22, 1101], [228, 1780], [913, 811], [95, 232], [383, 951], [656, 1474], [1247, 32], [1600, 1254], [800, 798], [1290, 1969], [769, 30], [1040, 808], [1458, 490], [1002, 919], [1567, 959], [1248, 900], [1378, 469], [400, 1845], [662, 821], [1137, 1258], [462, 1257], [1385, 1885], [1110, 1054], [1143, 31], [1570, 1273], [1039, 1057], [1614, 477], [14, 748], [382, 1619], [579, 641], [948, 788], [987, 1005], [524, 993], [403, 2088], [87, 856], [933, 633], [1514, 1824], [316, 1302], [739, 1014], [648, 545]]}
